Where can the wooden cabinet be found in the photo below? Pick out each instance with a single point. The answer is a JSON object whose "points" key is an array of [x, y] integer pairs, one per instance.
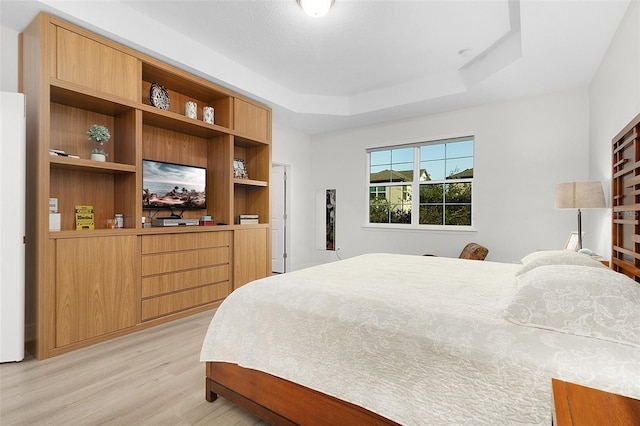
{"points": [[182, 271], [95, 287], [251, 247], [92, 64], [74, 78], [251, 120]]}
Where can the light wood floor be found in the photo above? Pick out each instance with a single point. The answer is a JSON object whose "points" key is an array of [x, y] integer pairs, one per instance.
{"points": [[153, 377]]}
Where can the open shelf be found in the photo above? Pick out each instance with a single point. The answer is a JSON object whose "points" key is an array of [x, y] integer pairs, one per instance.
{"points": [[173, 121], [80, 97], [249, 182], [80, 164]]}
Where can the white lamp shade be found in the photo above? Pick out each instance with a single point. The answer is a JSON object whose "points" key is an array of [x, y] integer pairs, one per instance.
{"points": [[315, 8], [580, 195]]}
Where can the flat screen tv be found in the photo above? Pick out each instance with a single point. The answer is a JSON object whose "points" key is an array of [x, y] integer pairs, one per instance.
{"points": [[173, 186]]}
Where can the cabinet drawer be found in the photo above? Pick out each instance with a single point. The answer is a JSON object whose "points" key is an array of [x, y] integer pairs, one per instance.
{"points": [[183, 260], [189, 241], [88, 63], [175, 302], [177, 281]]}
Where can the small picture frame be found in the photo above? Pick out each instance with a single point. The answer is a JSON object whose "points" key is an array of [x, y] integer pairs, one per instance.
{"points": [[572, 242], [239, 169]]}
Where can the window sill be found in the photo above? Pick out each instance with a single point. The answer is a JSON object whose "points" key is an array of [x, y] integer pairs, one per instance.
{"points": [[420, 228]]}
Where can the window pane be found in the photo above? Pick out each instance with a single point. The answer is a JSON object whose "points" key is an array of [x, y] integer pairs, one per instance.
{"points": [[460, 149], [432, 152], [402, 155], [402, 172], [433, 193], [434, 169], [380, 157], [380, 174], [431, 215], [458, 192], [458, 215], [377, 192], [459, 168], [393, 205], [378, 210], [401, 213]]}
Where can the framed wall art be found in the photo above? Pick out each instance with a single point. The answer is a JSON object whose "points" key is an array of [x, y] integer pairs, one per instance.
{"points": [[239, 169]]}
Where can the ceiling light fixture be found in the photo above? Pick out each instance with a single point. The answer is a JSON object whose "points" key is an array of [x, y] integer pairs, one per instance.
{"points": [[315, 8]]}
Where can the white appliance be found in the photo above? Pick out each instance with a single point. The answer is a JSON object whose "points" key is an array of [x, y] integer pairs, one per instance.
{"points": [[12, 224]]}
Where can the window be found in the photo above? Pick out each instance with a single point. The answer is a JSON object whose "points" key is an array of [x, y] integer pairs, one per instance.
{"points": [[440, 173]]}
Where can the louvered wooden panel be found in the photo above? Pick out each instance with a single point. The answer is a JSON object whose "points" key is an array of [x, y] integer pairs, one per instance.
{"points": [[625, 201]]}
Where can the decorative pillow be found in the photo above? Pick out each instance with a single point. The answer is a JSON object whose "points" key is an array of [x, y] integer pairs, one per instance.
{"points": [[557, 257], [593, 302]]}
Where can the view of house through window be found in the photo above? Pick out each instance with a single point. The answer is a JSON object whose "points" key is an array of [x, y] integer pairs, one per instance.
{"points": [[428, 183]]}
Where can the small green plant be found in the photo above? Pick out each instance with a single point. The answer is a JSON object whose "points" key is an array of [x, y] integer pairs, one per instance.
{"points": [[98, 134]]}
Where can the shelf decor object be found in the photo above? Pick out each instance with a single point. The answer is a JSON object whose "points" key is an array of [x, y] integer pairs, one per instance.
{"points": [[191, 110], [159, 96], [98, 134], [207, 114], [239, 169]]}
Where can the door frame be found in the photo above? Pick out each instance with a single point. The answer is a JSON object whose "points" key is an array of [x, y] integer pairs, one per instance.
{"points": [[287, 209]]}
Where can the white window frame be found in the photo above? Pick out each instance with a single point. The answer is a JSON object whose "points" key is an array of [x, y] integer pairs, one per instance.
{"points": [[415, 187]]}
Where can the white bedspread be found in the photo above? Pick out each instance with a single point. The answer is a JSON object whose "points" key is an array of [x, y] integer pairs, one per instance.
{"points": [[419, 340]]}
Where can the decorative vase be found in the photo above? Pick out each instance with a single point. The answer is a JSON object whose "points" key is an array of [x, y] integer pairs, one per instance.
{"points": [[98, 157], [207, 114], [191, 109]]}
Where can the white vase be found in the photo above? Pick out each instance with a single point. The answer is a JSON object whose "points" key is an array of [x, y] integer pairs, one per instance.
{"points": [[98, 157]]}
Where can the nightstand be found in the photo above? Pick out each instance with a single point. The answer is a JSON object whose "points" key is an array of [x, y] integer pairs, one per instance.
{"points": [[600, 259], [576, 405]]}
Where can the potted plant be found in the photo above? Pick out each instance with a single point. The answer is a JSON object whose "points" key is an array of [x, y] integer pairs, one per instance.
{"points": [[98, 134]]}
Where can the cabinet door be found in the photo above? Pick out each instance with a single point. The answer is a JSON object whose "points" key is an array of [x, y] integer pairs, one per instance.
{"points": [[91, 64], [95, 286], [251, 120], [250, 256]]}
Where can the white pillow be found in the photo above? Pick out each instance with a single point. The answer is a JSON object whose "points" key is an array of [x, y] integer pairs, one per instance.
{"points": [[557, 257], [593, 302]]}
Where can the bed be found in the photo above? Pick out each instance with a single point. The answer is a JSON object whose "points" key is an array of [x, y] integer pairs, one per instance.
{"points": [[414, 340]]}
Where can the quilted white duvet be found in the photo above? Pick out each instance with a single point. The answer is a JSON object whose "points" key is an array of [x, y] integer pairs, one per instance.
{"points": [[419, 340]]}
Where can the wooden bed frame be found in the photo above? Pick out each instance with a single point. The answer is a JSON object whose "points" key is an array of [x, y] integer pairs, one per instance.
{"points": [[281, 402]]}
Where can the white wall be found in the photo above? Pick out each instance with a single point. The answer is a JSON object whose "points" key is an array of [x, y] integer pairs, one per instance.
{"points": [[294, 149], [614, 99], [523, 149], [9, 60]]}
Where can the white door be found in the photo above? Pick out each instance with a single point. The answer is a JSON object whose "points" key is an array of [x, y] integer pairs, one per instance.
{"points": [[278, 218]]}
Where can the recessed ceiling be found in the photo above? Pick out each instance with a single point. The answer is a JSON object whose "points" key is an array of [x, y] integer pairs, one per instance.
{"points": [[365, 61]]}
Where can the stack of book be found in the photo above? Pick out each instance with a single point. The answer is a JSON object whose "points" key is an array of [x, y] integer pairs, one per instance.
{"points": [[248, 219], [61, 153], [206, 221]]}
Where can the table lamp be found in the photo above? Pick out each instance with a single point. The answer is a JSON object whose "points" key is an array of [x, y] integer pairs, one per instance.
{"points": [[580, 195]]}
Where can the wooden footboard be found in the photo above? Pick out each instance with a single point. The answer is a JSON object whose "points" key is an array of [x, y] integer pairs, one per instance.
{"points": [[280, 401]]}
